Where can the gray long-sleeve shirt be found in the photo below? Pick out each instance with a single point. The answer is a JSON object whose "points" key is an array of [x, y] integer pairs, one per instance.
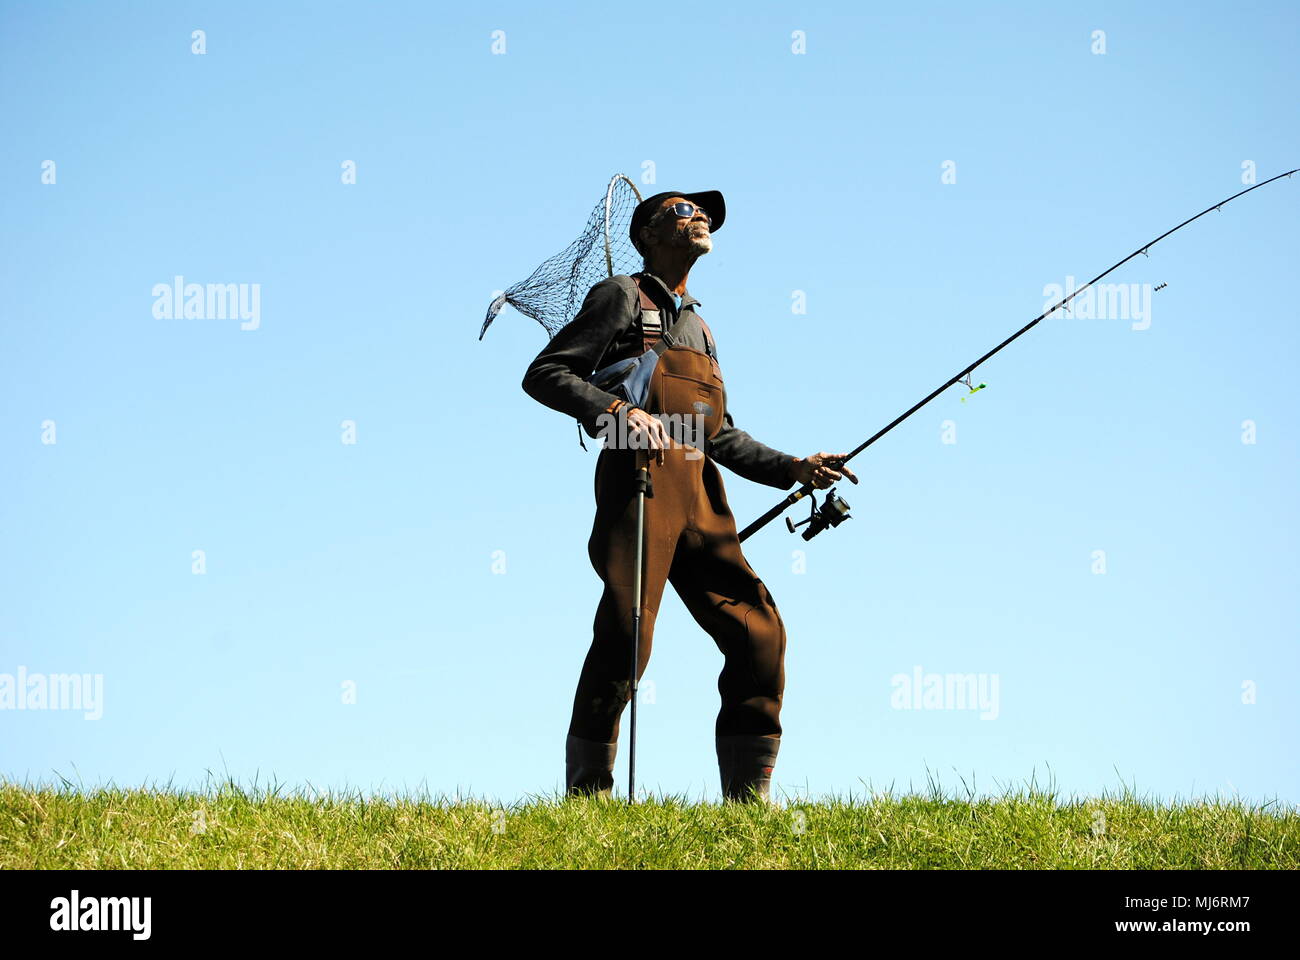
{"points": [[606, 331]]}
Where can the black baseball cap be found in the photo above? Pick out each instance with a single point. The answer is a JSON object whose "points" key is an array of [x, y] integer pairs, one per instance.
{"points": [[710, 200]]}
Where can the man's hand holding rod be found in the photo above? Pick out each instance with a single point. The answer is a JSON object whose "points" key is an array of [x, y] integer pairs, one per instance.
{"points": [[822, 469]]}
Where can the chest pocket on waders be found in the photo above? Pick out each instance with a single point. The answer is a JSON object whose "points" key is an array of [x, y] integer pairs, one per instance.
{"points": [[690, 389]]}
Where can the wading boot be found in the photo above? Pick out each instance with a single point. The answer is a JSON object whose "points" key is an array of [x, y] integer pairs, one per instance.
{"points": [[588, 767], [745, 763]]}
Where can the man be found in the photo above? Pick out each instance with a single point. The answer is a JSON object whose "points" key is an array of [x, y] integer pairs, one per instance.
{"points": [[690, 533]]}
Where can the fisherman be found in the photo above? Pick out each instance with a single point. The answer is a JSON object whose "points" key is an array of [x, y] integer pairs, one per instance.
{"points": [[690, 533]]}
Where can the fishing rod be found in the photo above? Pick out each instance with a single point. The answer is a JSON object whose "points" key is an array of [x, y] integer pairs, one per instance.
{"points": [[834, 510]]}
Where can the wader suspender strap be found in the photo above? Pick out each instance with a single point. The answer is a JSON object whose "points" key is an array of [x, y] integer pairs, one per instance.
{"points": [[663, 343], [648, 304]]}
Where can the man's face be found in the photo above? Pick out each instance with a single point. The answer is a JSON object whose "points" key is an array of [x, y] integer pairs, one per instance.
{"points": [[691, 233]]}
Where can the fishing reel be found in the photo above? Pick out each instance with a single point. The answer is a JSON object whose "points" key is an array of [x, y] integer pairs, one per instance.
{"points": [[831, 513]]}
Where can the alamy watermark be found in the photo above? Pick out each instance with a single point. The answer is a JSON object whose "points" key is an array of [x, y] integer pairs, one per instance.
{"points": [[683, 429], [1103, 301], [128, 914], [53, 691], [919, 690], [179, 300]]}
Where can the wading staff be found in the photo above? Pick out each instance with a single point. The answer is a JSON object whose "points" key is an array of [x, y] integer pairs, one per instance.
{"points": [[642, 484], [834, 511]]}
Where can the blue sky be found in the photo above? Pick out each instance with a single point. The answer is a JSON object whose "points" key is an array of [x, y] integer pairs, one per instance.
{"points": [[372, 563]]}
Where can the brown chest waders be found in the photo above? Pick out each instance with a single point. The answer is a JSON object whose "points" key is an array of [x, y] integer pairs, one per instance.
{"points": [[687, 537]]}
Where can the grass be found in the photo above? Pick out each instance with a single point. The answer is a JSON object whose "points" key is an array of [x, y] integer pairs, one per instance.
{"points": [[229, 827]]}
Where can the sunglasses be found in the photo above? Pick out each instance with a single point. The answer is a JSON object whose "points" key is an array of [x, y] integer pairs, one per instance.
{"points": [[685, 209]]}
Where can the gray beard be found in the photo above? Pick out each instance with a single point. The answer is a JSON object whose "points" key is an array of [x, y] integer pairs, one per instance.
{"points": [[697, 243]]}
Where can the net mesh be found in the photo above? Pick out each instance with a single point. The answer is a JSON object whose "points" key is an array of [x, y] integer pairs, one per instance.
{"points": [[554, 291]]}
